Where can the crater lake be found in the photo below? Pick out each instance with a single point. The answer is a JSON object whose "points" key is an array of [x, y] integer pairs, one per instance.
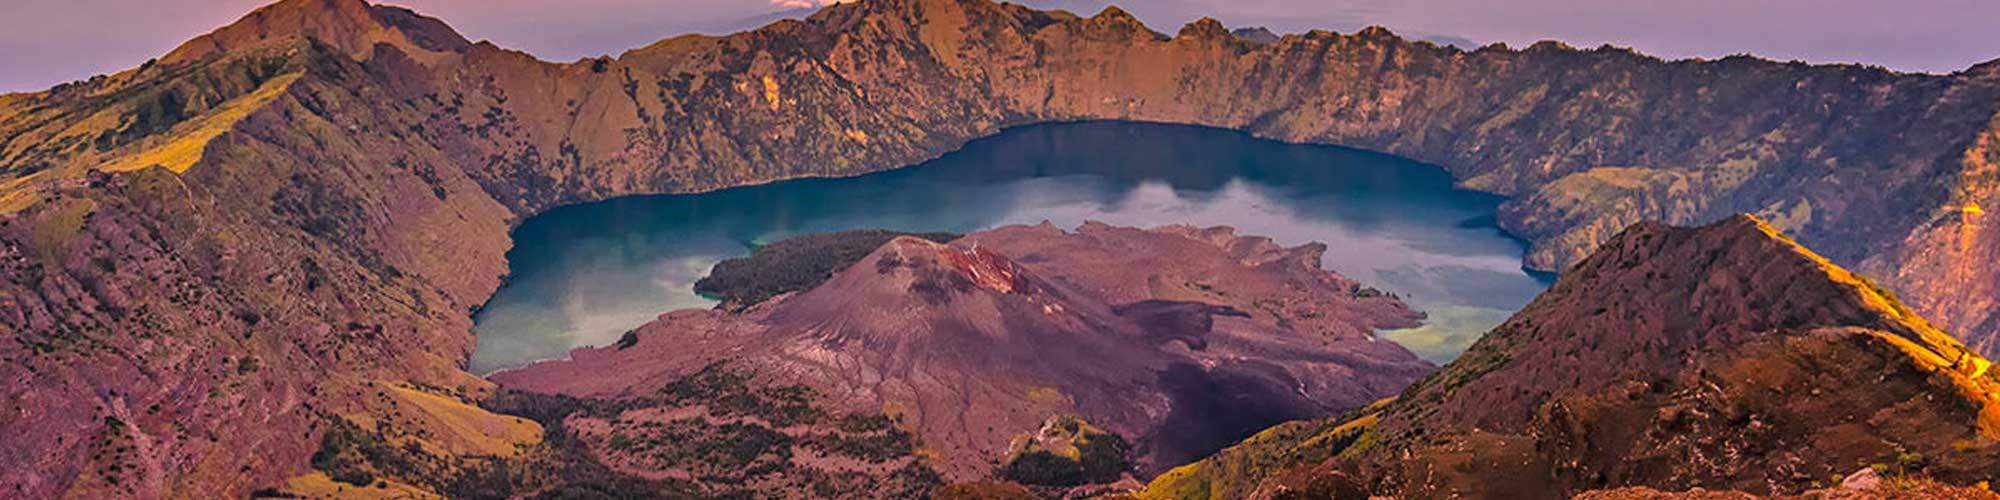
{"points": [[585, 274]]}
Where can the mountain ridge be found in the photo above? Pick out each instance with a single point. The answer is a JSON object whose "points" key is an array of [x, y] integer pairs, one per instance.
{"points": [[1756, 366]]}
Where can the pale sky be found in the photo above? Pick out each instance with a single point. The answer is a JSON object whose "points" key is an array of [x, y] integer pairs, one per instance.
{"points": [[44, 42]]}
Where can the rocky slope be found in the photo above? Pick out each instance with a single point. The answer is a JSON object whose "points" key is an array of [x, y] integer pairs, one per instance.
{"points": [[191, 328], [336, 179], [1724, 357], [1177, 339]]}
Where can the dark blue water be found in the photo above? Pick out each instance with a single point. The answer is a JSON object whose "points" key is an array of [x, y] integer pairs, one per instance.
{"points": [[583, 275]]}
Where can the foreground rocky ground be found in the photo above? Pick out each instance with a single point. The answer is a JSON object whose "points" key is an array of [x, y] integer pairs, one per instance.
{"points": [[209, 261]]}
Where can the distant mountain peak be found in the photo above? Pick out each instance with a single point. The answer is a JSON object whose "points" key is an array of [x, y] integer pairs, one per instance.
{"points": [[1257, 34], [1206, 28], [1114, 13], [1115, 20], [353, 27], [1377, 31]]}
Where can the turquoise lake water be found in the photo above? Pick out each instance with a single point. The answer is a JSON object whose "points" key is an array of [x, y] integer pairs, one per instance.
{"points": [[584, 275]]}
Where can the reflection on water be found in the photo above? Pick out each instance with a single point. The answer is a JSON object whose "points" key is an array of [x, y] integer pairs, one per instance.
{"points": [[584, 275]]}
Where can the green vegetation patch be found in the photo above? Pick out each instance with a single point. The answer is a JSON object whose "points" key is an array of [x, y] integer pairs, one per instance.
{"points": [[729, 393], [564, 466], [1069, 452], [761, 439], [354, 455], [794, 264]]}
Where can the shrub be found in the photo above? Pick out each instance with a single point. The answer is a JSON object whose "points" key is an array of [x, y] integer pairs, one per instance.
{"points": [[1041, 468], [1103, 457]]}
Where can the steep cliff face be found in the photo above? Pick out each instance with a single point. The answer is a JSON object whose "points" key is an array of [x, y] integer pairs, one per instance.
{"points": [[1724, 357], [1178, 339], [1949, 266], [337, 178]]}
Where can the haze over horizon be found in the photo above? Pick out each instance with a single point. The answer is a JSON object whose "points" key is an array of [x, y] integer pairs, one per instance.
{"points": [[47, 42]]}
